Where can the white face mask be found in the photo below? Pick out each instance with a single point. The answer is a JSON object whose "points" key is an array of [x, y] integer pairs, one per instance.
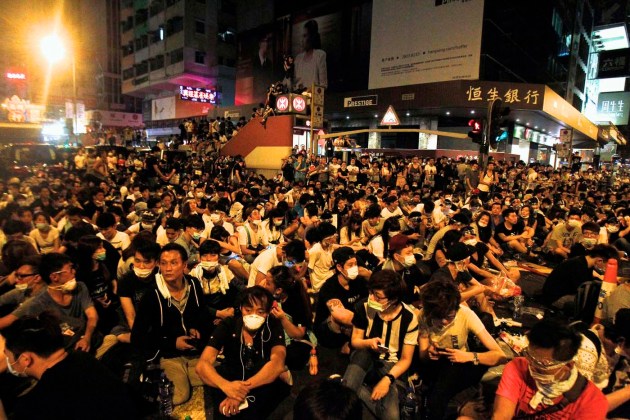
{"points": [[394, 233], [21, 286], [353, 272], [277, 222], [14, 372], [253, 321], [215, 218], [142, 272], [208, 265], [67, 287], [147, 226], [482, 224], [574, 223], [612, 229], [471, 242], [409, 261]]}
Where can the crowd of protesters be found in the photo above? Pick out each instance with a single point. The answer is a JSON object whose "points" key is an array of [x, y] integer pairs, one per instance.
{"points": [[226, 278]]}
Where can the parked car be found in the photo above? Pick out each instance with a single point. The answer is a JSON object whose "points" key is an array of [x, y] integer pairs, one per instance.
{"points": [[24, 159]]}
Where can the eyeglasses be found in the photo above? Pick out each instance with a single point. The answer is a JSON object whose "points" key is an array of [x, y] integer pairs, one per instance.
{"points": [[21, 276], [65, 271]]}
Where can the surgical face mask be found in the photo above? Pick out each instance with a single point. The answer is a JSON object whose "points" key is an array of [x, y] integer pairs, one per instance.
{"points": [[253, 321], [378, 307], [208, 265], [612, 229], [142, 273], [13, 371], [589, 243], [257, 222], [482, 224], [353, 272], [574, 223], [147, 226], [199, 195], [67, 287], [471, 242], [288, 263], [21, 286], [215, 218], [394, 233], [277, 222], [44, 227], [196, 236], [100, 256], [408, 261]]}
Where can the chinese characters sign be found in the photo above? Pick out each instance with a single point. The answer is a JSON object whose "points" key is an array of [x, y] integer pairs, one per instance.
{"points": [[477, 93], [615, 63], [187, 93], [613, 107]]}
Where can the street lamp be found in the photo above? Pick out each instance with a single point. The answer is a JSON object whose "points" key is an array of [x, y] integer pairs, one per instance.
{"points": [[54, 50]]}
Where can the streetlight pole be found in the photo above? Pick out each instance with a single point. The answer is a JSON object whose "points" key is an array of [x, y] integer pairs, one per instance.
{"points": [[74, 101]]}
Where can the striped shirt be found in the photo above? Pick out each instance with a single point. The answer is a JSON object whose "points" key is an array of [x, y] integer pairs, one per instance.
{"points": [[403, 329]]}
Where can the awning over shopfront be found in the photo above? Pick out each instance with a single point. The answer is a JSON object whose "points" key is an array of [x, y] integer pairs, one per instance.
{"points": [[535, 106]]}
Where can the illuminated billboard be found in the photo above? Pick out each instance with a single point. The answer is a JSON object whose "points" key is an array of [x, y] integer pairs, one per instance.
{"points": [[187, 93]]}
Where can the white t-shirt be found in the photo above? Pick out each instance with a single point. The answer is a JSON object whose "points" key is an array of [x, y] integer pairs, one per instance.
{"points": [[386, 214], [377, 246], [248, 237], [120, 241], [320, 264], [455, 335], [264, 262]]}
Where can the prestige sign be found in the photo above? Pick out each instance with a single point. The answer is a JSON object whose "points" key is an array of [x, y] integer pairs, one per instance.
{"points": [[358, 101]]}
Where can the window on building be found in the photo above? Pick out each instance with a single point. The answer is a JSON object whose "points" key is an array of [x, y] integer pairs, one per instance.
{"points": [[176, 56], [128, 73], [157, 62], [200, 26], [200, 57], [174, 25], [142, 68], [156, 7], [141, 16]]}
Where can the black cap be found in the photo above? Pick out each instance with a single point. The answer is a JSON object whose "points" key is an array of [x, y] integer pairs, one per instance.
{"points": [[343, 254], [459, 251]]}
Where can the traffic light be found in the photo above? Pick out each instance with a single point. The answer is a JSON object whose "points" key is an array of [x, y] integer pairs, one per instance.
{"points": [[499, 127], [476, 131]]}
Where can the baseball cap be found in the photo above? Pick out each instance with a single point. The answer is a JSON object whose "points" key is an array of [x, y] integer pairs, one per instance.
{"points": [[459, 251], [398, 243], [342, 254]]}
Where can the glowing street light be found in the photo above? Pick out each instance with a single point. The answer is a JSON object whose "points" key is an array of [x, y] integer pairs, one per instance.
{"points": [[54, 50]]}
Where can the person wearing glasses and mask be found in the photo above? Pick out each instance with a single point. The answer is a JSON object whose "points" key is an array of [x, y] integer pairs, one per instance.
{"points": [[403, 261], [28, 284], [449, 365], [545, 383], [68, 299], [384, 339]]}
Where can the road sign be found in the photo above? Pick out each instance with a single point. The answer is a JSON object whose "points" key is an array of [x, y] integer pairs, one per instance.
{"points": [[318, 95], [390, 117], [317, 117]]}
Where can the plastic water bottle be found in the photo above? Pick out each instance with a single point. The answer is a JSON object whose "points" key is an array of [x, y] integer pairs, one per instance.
{"points": [[165, 396], [410, 405]]}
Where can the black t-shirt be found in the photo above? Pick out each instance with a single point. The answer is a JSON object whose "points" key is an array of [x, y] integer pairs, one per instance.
{"points": [[149, 170], [517, 229], [131, 286], [295, 308], [331, 289], [79, 387], [565, 279], [239, 358]]}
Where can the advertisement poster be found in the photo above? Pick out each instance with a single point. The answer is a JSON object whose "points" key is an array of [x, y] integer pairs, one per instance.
{"points": [[424, 41]]}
